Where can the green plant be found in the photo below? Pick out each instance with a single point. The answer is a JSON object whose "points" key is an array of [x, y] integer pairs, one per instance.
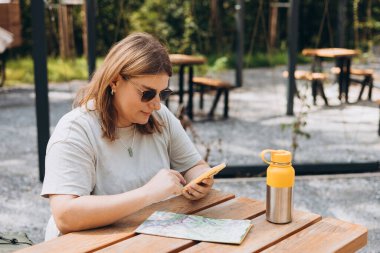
{"points": [[187, 125], [299, 122]]}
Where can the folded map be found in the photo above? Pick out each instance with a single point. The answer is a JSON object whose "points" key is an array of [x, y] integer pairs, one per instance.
{"points": [[195, 227]]}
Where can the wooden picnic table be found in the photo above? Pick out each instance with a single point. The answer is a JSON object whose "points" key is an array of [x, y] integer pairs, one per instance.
{"points": [[183, 60], [342, 58], [308, 232]]}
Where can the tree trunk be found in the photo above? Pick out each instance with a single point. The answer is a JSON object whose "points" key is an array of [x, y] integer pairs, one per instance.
{"points": [[273, 25], [84, 29], [216, 24], [66, 33]]}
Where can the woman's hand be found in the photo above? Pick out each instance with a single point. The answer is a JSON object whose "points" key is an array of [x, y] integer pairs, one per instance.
{"points": [[198, 191], [164, 184]]}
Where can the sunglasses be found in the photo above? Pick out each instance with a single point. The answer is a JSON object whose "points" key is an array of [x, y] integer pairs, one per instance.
{"points": [[150, 94]]}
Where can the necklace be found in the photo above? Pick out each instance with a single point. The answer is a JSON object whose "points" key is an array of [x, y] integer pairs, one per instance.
{"points": [[130, 148]]}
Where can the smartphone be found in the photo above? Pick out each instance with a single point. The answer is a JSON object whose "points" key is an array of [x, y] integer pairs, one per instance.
{"points": [[208, 174]]}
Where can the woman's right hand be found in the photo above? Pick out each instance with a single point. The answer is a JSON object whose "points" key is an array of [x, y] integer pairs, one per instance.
{"points": [[164, 184]]}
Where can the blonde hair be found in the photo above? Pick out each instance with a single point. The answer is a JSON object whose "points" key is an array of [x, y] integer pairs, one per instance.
{"points": [[137, 54]]}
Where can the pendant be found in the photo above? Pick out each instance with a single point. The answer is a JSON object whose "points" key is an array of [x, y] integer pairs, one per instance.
{"points": [[130, 151]]}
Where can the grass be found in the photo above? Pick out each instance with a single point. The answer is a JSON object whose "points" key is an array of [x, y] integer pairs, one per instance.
{"points": [[20, 71], [59, 70]]}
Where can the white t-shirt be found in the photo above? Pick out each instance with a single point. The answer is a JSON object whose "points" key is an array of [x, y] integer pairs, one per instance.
{"points": [[79, 161]]}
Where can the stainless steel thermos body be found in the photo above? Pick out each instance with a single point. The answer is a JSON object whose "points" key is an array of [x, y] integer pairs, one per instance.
{"points": [[279, 204]]}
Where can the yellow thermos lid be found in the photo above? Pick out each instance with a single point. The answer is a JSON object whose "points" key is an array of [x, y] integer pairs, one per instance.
{"points": [[280, 172]]}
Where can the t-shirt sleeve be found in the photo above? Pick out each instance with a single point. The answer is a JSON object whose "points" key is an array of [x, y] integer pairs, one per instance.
{"points": [[182, 153], [69, 163]]}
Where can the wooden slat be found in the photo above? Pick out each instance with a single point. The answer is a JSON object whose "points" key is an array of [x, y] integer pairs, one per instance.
{"points": [[94, 239], [241, 208], [211, 82], [328, 235], [330, 52], [353, 71], [306, 75], [263, 235], [361, 72], [183, 59]]}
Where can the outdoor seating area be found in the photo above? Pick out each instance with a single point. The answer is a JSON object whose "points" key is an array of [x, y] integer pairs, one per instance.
{"points": [[192, 126], [243, 138], [201, 84]]}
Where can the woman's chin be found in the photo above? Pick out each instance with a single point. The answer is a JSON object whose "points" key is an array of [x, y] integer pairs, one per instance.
{"points": [[143, 120]]}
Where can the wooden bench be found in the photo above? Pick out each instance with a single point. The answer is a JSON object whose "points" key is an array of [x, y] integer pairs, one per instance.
{"points": [[222, 87], [368, 76], [316, 79]]}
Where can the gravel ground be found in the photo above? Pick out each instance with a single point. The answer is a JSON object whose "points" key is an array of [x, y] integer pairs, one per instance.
{"points": [[339, 133]]}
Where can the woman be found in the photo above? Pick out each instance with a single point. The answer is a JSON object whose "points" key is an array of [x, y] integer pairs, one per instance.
{"points": [[119, 150]]}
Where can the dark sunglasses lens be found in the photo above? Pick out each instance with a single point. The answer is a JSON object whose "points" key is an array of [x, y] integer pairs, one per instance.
{"points": [[148, 95], [164, 94]]}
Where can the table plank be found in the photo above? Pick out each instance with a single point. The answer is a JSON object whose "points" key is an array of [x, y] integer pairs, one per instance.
{"points": [[336, 235], [183, 59], [263, 235], [330, 52], [94, 239], [240, 208]]}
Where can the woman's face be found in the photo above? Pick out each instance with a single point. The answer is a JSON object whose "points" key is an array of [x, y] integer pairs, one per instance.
{"points": [[128, 94]]}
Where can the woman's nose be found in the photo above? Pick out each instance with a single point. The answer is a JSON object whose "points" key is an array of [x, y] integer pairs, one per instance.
{"points": [[155, 103]]}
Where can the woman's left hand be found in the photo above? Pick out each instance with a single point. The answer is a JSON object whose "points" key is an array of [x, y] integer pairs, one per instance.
{"points": [[198, 191]]}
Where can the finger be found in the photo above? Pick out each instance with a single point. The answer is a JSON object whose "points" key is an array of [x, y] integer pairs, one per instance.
{"points": [[203, 189], [187, 195], [208, 181], [195, 192], [179, 176]]}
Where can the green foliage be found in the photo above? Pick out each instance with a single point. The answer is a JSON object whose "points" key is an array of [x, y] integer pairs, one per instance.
{"points": [[199, 27], [299, 122], [171, 21], [21, 70]]}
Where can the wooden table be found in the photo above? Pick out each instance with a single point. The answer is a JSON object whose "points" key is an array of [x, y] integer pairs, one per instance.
{"points": [[308, 232], [183, 60], [342, 58]]}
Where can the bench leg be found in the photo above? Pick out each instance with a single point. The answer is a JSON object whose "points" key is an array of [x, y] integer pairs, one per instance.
{"points": [[215, 102], [363, 83], [314, 85], [370, 86], [201, 91], [322, 91], [225, 114]]}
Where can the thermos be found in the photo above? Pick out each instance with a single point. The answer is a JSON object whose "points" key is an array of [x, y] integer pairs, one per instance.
{"points": [[280, 182]]}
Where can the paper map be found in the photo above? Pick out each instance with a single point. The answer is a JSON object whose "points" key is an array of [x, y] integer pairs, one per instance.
{"points": [[195, 227]]}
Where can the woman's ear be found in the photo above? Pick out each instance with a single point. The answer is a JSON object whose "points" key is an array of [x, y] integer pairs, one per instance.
{"points": [[114, 83]]}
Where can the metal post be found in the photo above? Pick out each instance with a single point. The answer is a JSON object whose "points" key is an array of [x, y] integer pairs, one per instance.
{"points": [[191, 91], [342, 21], [41, 82], [292, 52], [239, 17], [90, 18]]}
